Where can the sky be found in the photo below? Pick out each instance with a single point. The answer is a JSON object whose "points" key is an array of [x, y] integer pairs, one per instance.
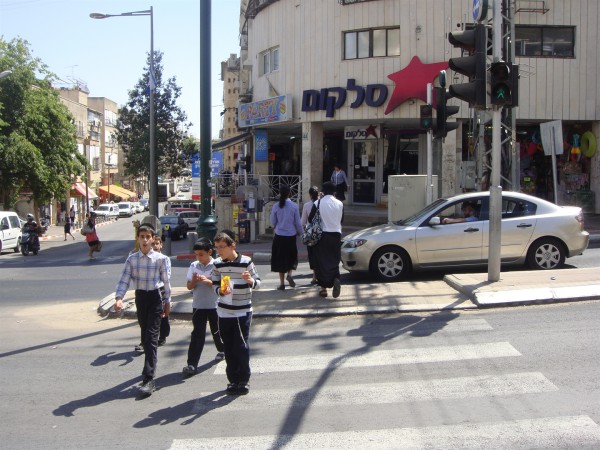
{"points": [[109, 55]]}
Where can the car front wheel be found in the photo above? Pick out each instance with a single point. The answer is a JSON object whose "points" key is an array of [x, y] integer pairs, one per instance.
{"points": [[546, 254], [390, 264]]}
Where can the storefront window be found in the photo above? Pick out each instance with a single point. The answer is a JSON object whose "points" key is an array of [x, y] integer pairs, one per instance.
{"points": [[400, 156]]}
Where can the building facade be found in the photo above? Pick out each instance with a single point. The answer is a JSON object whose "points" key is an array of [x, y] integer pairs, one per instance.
{"points": [[342, 82]]}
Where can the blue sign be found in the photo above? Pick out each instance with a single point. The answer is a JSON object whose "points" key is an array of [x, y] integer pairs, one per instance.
{"points": [[261, 145], [195, 168], [216, 164], [270, 110]]}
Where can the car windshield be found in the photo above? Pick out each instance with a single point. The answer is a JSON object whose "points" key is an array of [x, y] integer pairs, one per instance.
{"points": [[123, 206], [169, 220], [102, 208], [417, 218]]}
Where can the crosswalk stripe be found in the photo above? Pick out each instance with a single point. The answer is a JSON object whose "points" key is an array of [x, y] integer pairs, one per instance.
{"points": [[548, 432], [386, 393], [380, 357]]}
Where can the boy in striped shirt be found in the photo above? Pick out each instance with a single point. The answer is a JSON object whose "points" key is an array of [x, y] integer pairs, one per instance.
{"points": [[234, 309]]}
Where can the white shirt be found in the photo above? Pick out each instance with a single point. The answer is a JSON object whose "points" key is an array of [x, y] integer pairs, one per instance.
{"points": [[331, 210]]}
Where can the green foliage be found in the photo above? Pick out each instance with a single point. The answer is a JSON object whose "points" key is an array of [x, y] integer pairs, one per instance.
{"points": [[38, 149], [133, 129]]}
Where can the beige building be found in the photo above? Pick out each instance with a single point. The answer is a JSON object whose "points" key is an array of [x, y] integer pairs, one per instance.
{"points": [[341, 82]]}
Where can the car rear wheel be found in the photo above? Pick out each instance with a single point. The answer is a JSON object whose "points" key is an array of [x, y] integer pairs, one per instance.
{"points": [[390, 264], [546, 254]]}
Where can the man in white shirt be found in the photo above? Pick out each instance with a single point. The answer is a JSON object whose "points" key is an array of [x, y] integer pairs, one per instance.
{"points": [[327, 252]]}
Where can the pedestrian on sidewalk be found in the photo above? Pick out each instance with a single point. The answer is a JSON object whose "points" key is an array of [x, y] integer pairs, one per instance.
{"points": [[340, 181], [327, 253], [67, 229], [313, 193], [91, 237], [147, 268], [285, 219], [204, 305], [234, 309], [72, 214]]}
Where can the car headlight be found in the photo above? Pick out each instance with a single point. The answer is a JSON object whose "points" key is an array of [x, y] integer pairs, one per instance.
{"points": [[354, 243]]}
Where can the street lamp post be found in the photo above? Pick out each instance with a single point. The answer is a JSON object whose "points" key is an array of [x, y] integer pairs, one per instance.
{"points": [[153, 181]]}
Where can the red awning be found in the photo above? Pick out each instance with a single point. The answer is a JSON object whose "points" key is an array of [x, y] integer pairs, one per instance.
{"points": [[78, 190]]}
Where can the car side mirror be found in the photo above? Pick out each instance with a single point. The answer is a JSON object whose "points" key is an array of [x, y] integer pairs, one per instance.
{"points": [[434, 221]]}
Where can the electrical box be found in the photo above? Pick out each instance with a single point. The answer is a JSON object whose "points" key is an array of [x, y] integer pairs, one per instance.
{"points": [[407, 194]]}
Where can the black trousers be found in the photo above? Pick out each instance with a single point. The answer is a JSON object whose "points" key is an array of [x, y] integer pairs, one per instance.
{"points": [[149, 313], [199, 319], [235, 332]]}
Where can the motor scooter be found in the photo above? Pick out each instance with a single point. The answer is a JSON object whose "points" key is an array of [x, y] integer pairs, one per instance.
{"points": [[30, 242]]}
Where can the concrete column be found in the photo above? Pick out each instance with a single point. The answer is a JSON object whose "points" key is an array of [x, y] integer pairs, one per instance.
{"points": [[451, 154], [312, 154]]}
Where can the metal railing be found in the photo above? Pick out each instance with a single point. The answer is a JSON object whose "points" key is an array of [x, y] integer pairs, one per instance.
{"points": [[268, 186]]}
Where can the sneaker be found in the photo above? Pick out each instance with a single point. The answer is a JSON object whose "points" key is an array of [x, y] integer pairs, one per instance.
{"points": [[162, 342], [220, 356], [139, 348], [291, 281], [336, 288], [148, 386], [243, 388], [189, 370], [231, 389]]}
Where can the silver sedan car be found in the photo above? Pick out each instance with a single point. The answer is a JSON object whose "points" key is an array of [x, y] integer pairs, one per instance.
{"points": [[454, 232]]}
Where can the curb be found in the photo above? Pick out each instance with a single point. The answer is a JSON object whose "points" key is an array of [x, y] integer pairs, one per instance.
{"points": [[73, 231]]}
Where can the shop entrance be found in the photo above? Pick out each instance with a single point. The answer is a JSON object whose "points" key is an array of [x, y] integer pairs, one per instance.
{"points": [[363, 172]]}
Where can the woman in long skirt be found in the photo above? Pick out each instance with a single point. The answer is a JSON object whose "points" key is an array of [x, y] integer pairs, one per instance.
{"points": [[285, 219]]}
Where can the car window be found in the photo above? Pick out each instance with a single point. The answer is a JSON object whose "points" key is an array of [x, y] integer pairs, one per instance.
{"points": [[454, 210], [14, 221], [512, 207], [4, 224]]}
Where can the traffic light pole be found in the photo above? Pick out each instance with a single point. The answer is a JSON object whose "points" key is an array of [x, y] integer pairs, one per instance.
{"points": [[495, 243], [429, 151]]}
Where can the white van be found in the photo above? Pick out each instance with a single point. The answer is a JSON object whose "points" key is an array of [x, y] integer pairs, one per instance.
{"points": [[126, 209], [10, 231]]}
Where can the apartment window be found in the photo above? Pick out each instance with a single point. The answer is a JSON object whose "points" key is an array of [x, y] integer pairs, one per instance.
{"points": [[269, 61], [372, 43], [545, 41]]}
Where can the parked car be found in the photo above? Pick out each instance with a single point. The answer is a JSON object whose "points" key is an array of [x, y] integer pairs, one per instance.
{"points": [[10, 231], [534, 232], [190, 218], [108, 211], [137, 207], [145, 204], [177, 227], [126, 209], [184, 188]]}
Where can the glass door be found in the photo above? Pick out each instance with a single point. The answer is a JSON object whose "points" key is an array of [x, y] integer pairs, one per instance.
{"points": [[364, 167]]}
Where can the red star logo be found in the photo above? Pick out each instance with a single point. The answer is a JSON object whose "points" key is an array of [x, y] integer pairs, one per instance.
{"points": [[371, 130], [411, 82]]}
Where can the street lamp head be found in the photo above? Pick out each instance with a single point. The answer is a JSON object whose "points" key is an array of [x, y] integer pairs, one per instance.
{"points": [[5, 73], [98, 15]]}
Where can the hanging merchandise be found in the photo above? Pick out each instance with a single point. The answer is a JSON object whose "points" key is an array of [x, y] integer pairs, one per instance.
{"points": [[575, 153], [588, 144]]}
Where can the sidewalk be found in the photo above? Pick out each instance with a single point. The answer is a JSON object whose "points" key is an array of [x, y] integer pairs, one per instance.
{"points": [[454, 292]]}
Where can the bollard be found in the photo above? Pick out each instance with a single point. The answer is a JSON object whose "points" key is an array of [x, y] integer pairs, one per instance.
{"points": [[192, 237], [167, 247]]}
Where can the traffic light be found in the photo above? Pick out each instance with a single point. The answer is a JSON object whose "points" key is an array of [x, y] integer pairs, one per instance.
{"points": [[444, 111], [426, 117], [504, 82], [473, 66]]}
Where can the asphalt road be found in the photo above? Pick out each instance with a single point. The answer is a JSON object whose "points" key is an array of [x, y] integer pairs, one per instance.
{"points": [[517, 377]]}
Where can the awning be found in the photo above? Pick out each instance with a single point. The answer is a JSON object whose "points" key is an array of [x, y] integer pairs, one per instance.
{"points": [[231, 141], [78, 190], [118, 191]]}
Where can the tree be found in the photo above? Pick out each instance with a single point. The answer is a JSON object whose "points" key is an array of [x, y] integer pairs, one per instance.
{"points": [[38, 149], [133, 128]]}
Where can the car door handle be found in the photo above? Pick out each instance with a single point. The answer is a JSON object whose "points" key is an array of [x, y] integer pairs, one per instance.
{"points": [[471, 230], [524, 225]]}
